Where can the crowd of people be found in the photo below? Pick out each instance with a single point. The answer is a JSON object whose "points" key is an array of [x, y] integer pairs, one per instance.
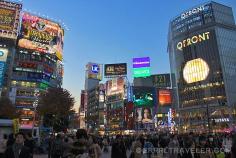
{"points": [[161, 145]]}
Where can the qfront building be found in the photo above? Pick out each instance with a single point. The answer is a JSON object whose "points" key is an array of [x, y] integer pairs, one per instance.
{"points": [[202, 53]]}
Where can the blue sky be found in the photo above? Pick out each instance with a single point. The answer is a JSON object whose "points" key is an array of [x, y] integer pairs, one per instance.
{"points": [[113, 31]]}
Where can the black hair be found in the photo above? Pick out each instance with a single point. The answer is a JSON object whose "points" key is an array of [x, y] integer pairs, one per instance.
{"points": [[81, 133], [20, 133]]}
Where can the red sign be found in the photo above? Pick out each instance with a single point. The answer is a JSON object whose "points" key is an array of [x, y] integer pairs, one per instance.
{"points": [[164, 97]]}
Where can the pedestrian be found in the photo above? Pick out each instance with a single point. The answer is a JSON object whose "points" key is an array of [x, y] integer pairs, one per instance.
{"points": [[227, 144], [94, 149], [80, 146], [136, 148], [29, 142], [118, 148], [3, 145], [173, 146], [57, 147], [18, 150]]}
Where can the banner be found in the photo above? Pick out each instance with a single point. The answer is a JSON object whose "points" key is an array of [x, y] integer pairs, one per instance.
{"points": [[141, 62], [3, 54], [161, 80]]}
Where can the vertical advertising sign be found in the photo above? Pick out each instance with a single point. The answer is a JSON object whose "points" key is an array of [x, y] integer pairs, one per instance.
{"points": [[141, 67], [3, 59], [9, 19]]}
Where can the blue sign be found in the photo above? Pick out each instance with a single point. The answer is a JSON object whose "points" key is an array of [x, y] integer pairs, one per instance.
{"points": [[95, 69], [2, 71]]}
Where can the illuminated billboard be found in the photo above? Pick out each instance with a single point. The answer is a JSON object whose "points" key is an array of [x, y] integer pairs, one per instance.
{"points": [[115, 86], [116, 69], [141, 62], [3, 54], [161, 80], [195, 70], [141, 72], [2, 71], [143, 96], [94, 71], [9, 19], [164, 97], [41, 35], [144, 115]]}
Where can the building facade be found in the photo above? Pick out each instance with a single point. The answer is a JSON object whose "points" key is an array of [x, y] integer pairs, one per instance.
{"points": [[202, 46]]}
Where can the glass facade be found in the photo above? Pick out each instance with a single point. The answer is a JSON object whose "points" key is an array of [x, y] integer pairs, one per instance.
{"points": [[202, 53]]}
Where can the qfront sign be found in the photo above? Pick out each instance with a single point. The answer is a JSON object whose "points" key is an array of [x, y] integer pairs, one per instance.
{"points": [[193, 40], [191, 12]]}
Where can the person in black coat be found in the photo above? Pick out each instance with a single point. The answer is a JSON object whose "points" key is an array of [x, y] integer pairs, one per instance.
{"points": [[18, 150], [118, 148]]}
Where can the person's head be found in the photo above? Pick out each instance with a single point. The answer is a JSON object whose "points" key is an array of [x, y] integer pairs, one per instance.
{"points": [[146, 114], [5, 136], [92, 139], [81, 133], [20, 138], [202, 140]]}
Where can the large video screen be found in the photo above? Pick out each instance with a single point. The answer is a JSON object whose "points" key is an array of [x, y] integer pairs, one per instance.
{"points": [[41, 35], [143, 96], [164, 97], [144, 115]]}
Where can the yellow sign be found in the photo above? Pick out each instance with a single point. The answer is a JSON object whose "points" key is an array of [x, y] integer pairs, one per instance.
{"points": [[16, 125], [193, 40], [195, 70]]}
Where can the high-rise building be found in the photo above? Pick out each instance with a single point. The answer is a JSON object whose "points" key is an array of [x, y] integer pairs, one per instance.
{"points": [[202, 46], [9, 28], [37, 65]]}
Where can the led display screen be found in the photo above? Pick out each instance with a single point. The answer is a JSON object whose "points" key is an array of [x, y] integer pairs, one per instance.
{"points": [[164, 97], [141, 72], [143, 96]]}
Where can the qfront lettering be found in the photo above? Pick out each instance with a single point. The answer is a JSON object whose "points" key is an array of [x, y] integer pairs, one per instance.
{"points": [[193, 40], [191, 12]]}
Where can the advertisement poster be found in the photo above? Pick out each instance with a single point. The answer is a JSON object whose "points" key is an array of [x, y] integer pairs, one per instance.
{"points": [[9, 19], [94, 71], [164, 97], [116, 69], [144, 115], [115, 86], [41, 35], [2, 71]]}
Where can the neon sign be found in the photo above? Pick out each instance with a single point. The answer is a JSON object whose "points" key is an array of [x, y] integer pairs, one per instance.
{"points": [[193, 40]]}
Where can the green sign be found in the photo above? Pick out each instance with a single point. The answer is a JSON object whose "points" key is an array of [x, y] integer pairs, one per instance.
{"points": [[141, 72]]}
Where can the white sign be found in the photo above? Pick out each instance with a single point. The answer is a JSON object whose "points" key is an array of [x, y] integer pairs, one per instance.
{"points": [[3, 54], [191, 12]]}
